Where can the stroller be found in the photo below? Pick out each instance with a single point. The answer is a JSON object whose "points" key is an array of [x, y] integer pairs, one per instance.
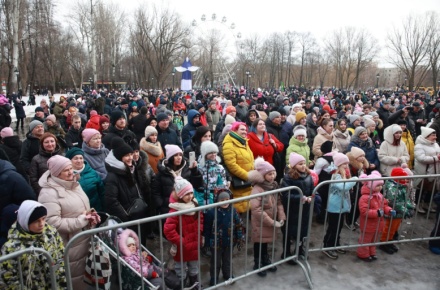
{"points": [[127, 277]]}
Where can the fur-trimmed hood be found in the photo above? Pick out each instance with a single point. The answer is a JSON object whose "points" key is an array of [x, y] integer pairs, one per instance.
{"points": [[122, 240], [356, 164]]}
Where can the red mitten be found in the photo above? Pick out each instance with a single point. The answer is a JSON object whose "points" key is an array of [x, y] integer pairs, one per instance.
{"points": [[154, 275], [150, 259]]}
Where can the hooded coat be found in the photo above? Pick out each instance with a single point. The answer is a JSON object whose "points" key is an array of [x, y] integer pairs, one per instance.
{"points": [[426, 159], [39, 167], [369, 220], [190, 128], [66, 203], [391, 156]]}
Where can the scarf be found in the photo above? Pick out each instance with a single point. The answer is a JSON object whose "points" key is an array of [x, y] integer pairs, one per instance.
{"points": [[237, 137], [178, 206], [268, 186], [362, 144], [154, 149]]}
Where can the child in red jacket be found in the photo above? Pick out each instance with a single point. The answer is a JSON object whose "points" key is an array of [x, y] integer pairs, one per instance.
{"points": [[185, 231], [372, 207]]}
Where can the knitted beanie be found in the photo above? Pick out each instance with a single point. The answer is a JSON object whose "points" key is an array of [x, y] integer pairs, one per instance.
{"points": [[223, 195], [57, 163], [273, 115], [294, 159], [172, 150], [26, 210], [150, 130], [103, 119], [300, 130], [115, 116], [339, 159], [369, 122], [359, 130], [120, 148], [229, 120], [73, 152], [161, 116], [299, 116], [372, 184], [327, 147], [427, 131], [399, 171], [34, 124], [182, 187], [51, 118], [353, 118], [88, 133], [357, 152], [6, 132], [263, 167], [230, 109]]}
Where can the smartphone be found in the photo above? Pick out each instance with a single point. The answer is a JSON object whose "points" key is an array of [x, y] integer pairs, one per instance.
{"points": [[192, 158]]}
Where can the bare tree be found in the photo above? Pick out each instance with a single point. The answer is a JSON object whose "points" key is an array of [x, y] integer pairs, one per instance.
{"points": [[408, 47], [434, 47]]}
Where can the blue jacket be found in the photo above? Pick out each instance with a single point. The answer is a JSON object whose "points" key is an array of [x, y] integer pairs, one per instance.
{"points": [[370, 151], [220, 226], [339, 195], [190, 128]]}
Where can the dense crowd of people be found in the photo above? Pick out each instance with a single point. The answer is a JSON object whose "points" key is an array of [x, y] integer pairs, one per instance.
{"points": [[132, 154]]}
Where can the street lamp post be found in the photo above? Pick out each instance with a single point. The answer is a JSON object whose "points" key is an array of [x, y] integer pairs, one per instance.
{"points": [[247, 77], [17, 75], [377, 81], [91, 83]]}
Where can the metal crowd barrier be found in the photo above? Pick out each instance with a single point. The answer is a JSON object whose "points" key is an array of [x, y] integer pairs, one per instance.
{"points": [[31, 251], [164, 245]]}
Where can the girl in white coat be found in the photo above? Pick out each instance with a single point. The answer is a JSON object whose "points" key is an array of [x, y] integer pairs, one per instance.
{"points": [[393, 152]]}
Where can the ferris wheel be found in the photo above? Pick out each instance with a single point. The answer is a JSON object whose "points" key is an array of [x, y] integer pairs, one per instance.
{"points": [[218, 46]]}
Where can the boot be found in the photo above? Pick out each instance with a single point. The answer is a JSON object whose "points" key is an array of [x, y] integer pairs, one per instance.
{"points": [[262, 273], [420, 209], [267, 261]]}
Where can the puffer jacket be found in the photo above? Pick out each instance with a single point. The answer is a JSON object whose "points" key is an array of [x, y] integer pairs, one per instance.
{"points": [[369, 219], [30, 147], [301, 148], [39, 167], [190, 128], [189, 240], [339, 195], [341, 140], [12, 147], [398, 197], [163, 184], [391, 156], [266, 210], [320, 138], [214, 176], [93, 122], [408, 140], [35, 267], [239, 160], [74, 138], [426, 159], [93, 186], [96, 158], [66, 202], [291, 201], [263, 148], [122, 187]]}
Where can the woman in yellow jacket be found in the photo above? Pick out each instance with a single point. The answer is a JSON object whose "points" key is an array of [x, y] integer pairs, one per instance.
{"points": [[239, 160], [409, 142]]}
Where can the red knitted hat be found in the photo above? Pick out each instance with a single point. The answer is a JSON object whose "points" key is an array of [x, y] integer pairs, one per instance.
{"points": [[399, 171]]}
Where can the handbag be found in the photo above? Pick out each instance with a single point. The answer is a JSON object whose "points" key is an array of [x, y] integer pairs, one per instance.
{"points": [[98, 267], [138, 209], [239, 183]]}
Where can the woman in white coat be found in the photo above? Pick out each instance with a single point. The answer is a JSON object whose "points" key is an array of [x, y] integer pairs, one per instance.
{"points": [[68, 210], [393, 152], [427, 161]]}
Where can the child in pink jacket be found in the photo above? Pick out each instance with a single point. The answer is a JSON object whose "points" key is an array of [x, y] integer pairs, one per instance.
{"points": [[372, 206]]}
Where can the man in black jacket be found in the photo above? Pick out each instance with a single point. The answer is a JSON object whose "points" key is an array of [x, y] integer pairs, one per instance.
{"points": [[117, 129], [165, 134], [31, 146], [384, 115]]}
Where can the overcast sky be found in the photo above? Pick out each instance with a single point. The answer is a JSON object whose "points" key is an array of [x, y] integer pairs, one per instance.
{"points": [[320, 17]]}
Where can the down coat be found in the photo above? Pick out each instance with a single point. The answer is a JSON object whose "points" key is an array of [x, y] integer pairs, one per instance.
{"points": [[368, 206], [263, 148], [321, 137], [189, 240], [239, 160], [39, 167], [426, 160], [339, 194], [12, 147], [391, 156], [66, 203], [301, 148], [93, 186]]}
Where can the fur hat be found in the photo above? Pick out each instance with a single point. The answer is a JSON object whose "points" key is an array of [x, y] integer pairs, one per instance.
{"points": [[273, 115], [57, 163], [51, 118], [88, 133], [34, 124], [182, 187], [28, 212], [300, 130], [6, 132], [427, 131], [294, 159], [357, 152], [359, 130], [120, 148], [263, 167], [115, 116], [172, 150], [372, 184], [208, 147], [299, 116], [369, 122], [339, 159], [161, 116], [353, 118], [229, 119], [150, 130]]}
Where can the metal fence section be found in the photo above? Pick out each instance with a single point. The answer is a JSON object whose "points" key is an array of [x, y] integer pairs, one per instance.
{"points": [[162, 245], [35, 252], [352, 239]]}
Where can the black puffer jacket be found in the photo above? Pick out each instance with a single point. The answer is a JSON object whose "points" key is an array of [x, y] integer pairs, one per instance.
{"points": [[122, 187], [39, 166], [12, 147], [74, 138], [29, 148], [164, 183], [137, 125], [113, 132]]}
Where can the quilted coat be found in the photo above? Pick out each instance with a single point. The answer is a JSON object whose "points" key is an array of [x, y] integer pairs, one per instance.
{"points": [[390, 155], [426, 160], [263, 148], [368, 206]]}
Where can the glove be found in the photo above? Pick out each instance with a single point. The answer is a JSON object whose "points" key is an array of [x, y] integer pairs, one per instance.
{"points": [[173, 250], [278, 224], [282, 222], [380, 212], [392, 213]]}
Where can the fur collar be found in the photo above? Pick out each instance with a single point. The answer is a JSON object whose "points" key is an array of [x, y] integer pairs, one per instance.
{"points": [[154, 149]]}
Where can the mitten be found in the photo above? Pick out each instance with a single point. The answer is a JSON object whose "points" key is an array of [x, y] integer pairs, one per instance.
{"points": [[278, 224], [380, 212], [154, 275], [392, 213], [282, 222]]}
